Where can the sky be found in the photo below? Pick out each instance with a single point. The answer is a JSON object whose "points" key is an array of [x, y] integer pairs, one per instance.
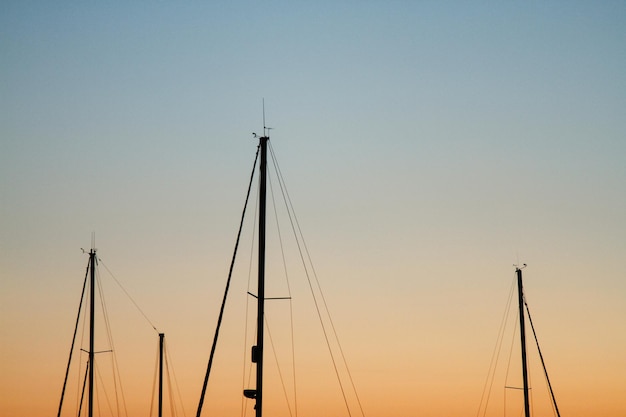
{"points": [[427, 148]]}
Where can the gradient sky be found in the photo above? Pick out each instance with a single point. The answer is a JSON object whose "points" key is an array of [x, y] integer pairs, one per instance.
{"points": [[427, 147]]}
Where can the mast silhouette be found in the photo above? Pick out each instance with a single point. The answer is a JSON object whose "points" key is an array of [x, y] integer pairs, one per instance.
{"points": [[92, 309], [520, 292], [261, 287], [257, 350], [161, 337]]}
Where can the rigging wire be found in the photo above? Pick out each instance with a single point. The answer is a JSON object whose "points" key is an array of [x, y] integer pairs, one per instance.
{"points": [[82, 395], [168, 358], [508, 366], [293, 355], [107, 401], [221, 315], [245, 337], [495, 354], [530, 394], [69, 361], [300, 237], [169, 384], [291, 319], [115, 365], [96, 395], [280, 374], [145, 316], [306, 270], [78, 386], [128, 295], [154, 380], [543, 364]]}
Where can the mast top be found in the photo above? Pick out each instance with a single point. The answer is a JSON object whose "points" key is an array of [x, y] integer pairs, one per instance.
{"points": [[519, 268]]}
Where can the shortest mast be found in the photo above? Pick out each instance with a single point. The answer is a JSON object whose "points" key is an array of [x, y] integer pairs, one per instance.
{"points": [[161, 337], [520, 292]]}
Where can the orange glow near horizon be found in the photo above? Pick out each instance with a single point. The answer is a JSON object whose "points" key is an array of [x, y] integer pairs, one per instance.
{"points": [[410, 369]]}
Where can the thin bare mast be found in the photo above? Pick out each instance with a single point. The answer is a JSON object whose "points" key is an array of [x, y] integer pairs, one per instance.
{"points": [[520, 291]]}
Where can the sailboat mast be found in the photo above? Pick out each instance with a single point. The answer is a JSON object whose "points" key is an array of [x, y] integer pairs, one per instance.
{"points": [[92, 304], [520, 291], [258, 354], [161, 337]]}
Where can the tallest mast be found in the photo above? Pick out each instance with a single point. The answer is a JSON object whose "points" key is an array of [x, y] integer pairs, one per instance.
{"points": [[257, 350], [258, 354]]}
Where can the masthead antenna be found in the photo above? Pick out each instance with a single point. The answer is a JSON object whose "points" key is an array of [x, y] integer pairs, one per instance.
{"points": [[265, 128]]}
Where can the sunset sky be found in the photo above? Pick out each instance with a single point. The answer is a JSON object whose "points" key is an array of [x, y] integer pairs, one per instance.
{"points": [[427, 147]]}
